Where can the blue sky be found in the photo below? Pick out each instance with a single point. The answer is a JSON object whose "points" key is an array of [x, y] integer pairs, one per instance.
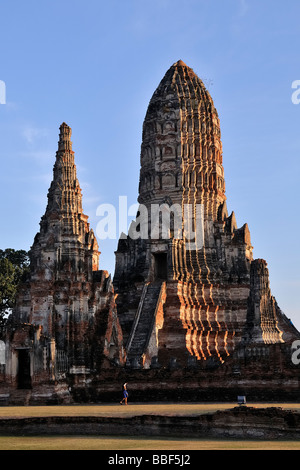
{"points": [[96, 64]]}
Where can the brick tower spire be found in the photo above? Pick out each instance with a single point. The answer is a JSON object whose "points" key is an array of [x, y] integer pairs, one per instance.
{"points": [[66, 299], [64, 227], [198, 291], [181, 151], [64, 196]]}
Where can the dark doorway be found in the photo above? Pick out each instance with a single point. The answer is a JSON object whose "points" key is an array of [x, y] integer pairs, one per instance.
{"points": [[161, 266], [24, 378]]}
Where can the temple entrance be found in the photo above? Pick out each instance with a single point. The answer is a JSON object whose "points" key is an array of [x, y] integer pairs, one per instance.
{"points": [[24, 378], [161, 266]]}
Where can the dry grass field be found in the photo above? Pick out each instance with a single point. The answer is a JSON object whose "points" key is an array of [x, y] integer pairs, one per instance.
{"points": [[131, 409], [105, 443], [133, 443]]}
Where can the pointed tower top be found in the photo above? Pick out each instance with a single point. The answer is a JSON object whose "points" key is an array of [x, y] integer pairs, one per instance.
{"points": [[183, 69], [180, 63], [64, 142], [64, 125], [182, 110]]}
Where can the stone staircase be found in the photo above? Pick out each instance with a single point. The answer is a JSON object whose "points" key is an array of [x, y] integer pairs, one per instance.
{"points": [[143, 323]]}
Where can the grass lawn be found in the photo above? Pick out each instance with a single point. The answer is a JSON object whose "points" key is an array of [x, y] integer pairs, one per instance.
{"points": [[132, 409], [134, 444]]}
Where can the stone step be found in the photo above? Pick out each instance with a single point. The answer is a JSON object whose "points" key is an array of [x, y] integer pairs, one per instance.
{"points": [[143, 328]]}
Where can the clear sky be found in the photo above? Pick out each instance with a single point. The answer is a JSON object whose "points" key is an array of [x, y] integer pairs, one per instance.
{"points": [[96, 64]]}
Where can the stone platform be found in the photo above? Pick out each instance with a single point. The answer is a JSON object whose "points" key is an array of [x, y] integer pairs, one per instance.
{"points": [[241, 422]]}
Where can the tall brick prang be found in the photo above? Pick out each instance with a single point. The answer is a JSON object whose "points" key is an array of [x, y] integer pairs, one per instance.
{"points": [[206, 280], [65, 320]]}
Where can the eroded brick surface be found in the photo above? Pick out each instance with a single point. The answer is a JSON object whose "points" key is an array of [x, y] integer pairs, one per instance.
{"points": [[179, 322], [65, 320], [217, 296]]}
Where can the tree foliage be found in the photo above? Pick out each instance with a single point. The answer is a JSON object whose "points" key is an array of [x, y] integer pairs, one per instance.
{"points": [[14, 264]]}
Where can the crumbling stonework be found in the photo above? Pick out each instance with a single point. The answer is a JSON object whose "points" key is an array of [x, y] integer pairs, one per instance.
{"points": [[216, 294], [189, 315], [234, 423], [262, 319], [65, 321]]}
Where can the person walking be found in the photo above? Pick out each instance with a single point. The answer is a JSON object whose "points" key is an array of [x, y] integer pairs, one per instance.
{"points": [[125, 395]]}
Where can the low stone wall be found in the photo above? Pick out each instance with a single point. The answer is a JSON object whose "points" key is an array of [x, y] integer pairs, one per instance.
{"points": [[185, 385], [238, 423], [247, 376]]}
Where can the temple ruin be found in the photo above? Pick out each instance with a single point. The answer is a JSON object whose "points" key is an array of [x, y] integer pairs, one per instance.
{"points": [[197, 300], [189, 313], [65, 320]]}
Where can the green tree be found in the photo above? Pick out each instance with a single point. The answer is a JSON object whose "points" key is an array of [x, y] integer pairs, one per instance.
{"points": [[14, 264]]}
